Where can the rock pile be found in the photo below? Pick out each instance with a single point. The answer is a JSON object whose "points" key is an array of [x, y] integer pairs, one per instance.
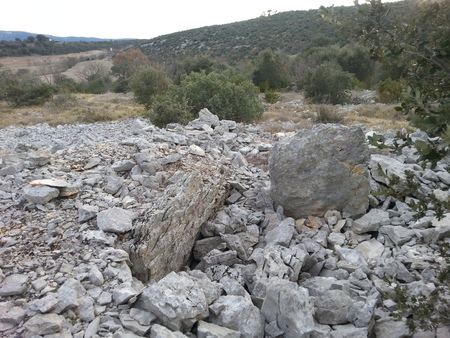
{"points": [[127, 230]]}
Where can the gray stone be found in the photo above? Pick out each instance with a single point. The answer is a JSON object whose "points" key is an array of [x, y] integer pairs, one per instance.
{"points": [[371, 248], [45, 324], [99, 237], [159, 247], [69, 294], [113, 184], [13, 285], [352, 256], [143, 317], [126, 291], [40, 157], [87, 212], [176, 301], [390, 167], [116, 220], [349, 332], [238, 314], [125, 165], [387, 327], [372, 221], [92, 328], [40, 194], [332, 307], [11, 318], [397, 234], [209, 330], [289, 306], [96, 276], [196, 150], [321, 169], [159, 331], [281, 235], [133, 325]]}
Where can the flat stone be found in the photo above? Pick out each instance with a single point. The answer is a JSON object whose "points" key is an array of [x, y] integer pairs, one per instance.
{"points": [[13, 285], [40, 194], [43, 324], [116, 220]]}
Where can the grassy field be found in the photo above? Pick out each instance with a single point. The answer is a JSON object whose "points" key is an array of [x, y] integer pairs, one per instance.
{"points": [[289, 114]]}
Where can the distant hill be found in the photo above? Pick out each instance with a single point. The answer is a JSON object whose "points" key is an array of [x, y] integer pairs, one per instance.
{"points": [[289, 32], [13, 35]]}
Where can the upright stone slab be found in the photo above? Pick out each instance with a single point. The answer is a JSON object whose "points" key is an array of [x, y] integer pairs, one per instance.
{"points": [[322, 169], [164, 239]]}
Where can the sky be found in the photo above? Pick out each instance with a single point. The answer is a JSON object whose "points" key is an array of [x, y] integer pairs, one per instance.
{"points": [[138, 19]]}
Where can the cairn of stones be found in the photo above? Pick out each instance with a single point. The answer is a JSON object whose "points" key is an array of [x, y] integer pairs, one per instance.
{"points": [[213, 229]]}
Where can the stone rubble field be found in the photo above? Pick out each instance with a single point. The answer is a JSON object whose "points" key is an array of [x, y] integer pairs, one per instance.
{"points": [[124, 229]]}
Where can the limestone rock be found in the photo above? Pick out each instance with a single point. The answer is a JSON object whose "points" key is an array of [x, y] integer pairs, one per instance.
{"points": [[13, 285], [161, 247], [289, 306], [45, 324], [40, 194], [209, 330], [332, 307], [116, 220], [176, 301], [322, 169], [238, 314], [372, 221]]}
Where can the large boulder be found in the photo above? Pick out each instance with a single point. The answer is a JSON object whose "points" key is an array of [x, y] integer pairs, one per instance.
{"points": [[322, 169], [163, 239]]}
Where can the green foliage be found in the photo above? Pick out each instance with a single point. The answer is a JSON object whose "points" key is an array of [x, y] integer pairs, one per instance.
{"points": [[389, 91], [169, 109], [270, 71], [417, 41], [328, 83], [271, 97], [197, 64], [430, 312], [147, 84], [24, 91], [397, 187], [229, 99]]}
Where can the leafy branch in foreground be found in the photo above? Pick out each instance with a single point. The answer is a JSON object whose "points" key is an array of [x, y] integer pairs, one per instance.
{"points": [[426, 312]]}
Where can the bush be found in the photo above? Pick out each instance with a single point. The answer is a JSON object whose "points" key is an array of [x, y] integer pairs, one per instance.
{"points": [[28, 94], [229, 99], [272, 97], [389, 91], [166, 109], [147, 84], [326, 114], [328, 83]]}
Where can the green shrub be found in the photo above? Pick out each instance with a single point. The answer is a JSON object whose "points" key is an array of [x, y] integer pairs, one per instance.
{"points": [[272, 97], [167, 109], [28, 94], [229, 99], [328, 83], [389, 91], [147, 84]]}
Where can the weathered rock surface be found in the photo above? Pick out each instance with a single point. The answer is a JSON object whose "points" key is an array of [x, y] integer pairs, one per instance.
{"points": [[152, 202], [321, 169], [164, 239]]}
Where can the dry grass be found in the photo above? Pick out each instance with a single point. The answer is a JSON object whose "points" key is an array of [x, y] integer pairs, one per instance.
{"points": [[70, 109], [291, 114]]}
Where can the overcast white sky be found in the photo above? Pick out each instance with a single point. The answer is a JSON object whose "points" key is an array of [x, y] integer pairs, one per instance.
{"points": [[137, 18]]}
